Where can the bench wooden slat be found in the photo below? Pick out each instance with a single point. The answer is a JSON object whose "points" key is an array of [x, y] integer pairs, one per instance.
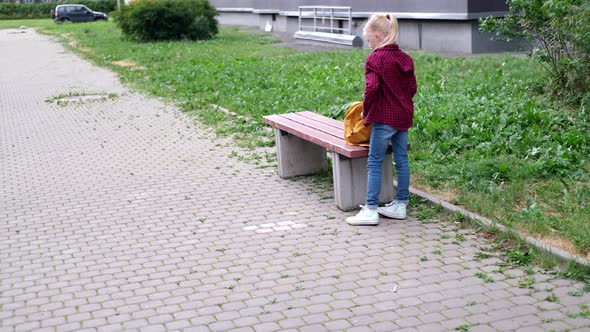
{"points": [[320, 118], [320, 137], [319, 125]]}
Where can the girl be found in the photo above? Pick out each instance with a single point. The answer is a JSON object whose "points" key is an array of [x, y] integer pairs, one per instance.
{"points": [[390, 85]]}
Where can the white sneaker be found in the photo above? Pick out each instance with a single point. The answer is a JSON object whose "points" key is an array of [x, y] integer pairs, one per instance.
{"points": [[395, 210], [366, 217]]}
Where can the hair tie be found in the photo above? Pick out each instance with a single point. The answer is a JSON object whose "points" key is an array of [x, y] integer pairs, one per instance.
{"points": [[389, 18]]}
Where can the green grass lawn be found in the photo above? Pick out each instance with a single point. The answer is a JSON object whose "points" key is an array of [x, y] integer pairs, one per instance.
{"points": [[486, 134]]}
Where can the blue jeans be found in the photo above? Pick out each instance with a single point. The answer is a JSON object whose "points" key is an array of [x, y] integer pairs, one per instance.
{"points": [[381, 136]]}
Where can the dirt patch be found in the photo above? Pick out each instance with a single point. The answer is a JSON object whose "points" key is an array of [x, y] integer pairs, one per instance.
{"points": [[563, 245], [447, 195], [128, 64]]}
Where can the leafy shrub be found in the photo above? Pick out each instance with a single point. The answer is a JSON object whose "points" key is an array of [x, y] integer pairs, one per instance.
{"points": [[558, 33], [42, 10], [150, 20]]}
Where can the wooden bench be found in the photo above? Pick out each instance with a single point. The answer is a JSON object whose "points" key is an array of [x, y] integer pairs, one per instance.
{"points": [[302, 139]]}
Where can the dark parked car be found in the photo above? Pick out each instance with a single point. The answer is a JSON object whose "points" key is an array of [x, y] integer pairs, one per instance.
{"points": [[76, 13]]}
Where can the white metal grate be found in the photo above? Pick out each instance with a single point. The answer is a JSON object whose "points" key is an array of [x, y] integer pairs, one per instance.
{"points": [[324, 19]]}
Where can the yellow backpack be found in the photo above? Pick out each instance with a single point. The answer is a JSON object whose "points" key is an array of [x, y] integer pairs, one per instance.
{"points": [[355, 131]]}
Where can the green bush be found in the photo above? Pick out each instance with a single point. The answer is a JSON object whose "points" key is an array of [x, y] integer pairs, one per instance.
{"points": [[168, 20], [43, 10], [558, 32]]}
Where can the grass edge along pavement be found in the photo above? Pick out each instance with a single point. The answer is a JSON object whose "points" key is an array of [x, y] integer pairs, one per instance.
{"points": [[562, 255], [168, 83]]}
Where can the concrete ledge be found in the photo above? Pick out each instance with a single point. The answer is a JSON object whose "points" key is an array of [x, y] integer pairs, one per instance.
{"points": [[235, 10], [418, 16], [335, 38], [265, 11], [559, 253]]}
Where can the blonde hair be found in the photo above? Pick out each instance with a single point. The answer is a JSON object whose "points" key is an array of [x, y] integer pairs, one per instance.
{"points": [[386, 24]]}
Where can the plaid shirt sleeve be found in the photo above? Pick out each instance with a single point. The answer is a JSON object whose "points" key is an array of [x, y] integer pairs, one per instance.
{"points": [[371, 89]]}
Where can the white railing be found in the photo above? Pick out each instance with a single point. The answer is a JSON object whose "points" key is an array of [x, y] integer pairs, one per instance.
{"points": [[321, 14]]}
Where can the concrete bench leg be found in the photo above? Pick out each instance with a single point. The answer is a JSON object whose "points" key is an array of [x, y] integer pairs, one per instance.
{"points": [[296, 156], [350, 181]]}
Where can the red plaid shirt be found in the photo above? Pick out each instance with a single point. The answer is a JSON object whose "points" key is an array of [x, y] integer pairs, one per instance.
{"points": [[390, 84]]}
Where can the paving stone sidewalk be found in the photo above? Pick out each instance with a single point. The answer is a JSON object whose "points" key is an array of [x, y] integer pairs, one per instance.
{"points": [[121, 214]]}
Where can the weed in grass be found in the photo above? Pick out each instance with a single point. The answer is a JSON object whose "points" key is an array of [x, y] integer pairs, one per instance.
{"points": [[576, 293], [459, 217], [437, 252], [460, 237], [529, 270], [527, 282], [583, 313], [426, 212], [576, 271], [481, 255], [471, 303], [500, 269], [519, 255], [463, 328], [486, 278], [423, 259], [552, 298]]}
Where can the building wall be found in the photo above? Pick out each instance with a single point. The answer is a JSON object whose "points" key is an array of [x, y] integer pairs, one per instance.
{"points": [[449, 26], [412, 6]]}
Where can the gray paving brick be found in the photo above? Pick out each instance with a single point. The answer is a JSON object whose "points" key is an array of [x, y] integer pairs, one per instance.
{"points": [[313, 328], [360, 329], [266, 327], [432, 317], [72, 327], [337, 325], [291, 323], [481, 328], [93, 322], [384, 327]]}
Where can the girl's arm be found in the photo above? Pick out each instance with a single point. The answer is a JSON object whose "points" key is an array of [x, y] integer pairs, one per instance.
{"points": [[371, 90]]}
